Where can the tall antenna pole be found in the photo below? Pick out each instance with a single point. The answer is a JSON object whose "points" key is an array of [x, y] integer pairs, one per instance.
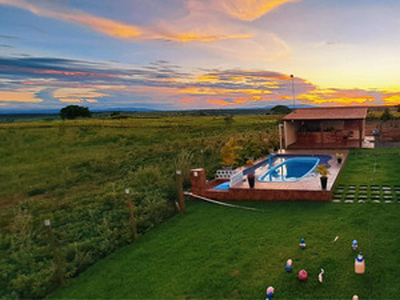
{"points": [[294, 99]]}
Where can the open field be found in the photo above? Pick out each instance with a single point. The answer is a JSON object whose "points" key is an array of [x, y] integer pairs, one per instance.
{"points": [[75, 173], [217, 252]]}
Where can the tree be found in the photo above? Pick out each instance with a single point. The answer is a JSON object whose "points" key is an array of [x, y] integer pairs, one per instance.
{"points": [[75, 111], [280, 110], [386, 115]]}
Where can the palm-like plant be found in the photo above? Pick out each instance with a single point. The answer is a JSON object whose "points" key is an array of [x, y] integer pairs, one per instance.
{"points": [[322, 170]]}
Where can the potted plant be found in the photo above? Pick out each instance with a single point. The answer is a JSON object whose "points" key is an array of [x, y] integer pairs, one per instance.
{"points": [[323, 171], [250, 177], [339, 157]]}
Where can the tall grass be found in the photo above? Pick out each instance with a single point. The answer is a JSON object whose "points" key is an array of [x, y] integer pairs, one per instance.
{"points": [[75, 173]]}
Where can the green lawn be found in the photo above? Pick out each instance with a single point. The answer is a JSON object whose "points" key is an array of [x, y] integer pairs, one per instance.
{"points": [[75, 173], [217, 252]]}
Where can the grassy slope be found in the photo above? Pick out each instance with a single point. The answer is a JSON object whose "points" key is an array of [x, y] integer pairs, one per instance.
{"points": [[218, 252], [75, 173], [74, 158], [195, 255]]}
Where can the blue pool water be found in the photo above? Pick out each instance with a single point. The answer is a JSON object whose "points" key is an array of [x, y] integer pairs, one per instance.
{"points": [[289, 172], [292, 169]]}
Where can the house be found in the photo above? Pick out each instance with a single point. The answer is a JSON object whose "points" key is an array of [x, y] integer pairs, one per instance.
{"points": [[330, 127]]}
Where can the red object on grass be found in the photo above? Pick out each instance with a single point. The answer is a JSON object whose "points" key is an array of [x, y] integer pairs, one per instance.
{"points": [[303, 275]]}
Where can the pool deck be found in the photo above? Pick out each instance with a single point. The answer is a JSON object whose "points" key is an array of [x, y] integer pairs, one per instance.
{"points": [[308, 189]]}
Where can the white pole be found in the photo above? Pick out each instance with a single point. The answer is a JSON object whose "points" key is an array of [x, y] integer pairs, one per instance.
{"points": [[280, 137], [294, 98]]}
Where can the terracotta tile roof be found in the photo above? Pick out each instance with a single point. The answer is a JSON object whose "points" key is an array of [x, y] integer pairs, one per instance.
{"points": [[328, 113]]}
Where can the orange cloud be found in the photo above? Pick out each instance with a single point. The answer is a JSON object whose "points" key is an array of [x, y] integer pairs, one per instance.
{"points": [[19, 96], [68, 100], [226, 103], [76, 95], [250, 10], [219, 102], [200, 37], [222, 91], [391, 99], [118, 29], [103, 25], [91, 100], [336, 96], [187, 100]]}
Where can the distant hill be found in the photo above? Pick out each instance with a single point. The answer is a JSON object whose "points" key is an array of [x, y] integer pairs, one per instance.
{"points": [[221, 111]]}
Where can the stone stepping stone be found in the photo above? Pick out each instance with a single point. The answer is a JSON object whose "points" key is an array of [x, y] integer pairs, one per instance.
{"points": [[361, 201], [375, 187], [339, 191], [376, 201], [386, 188], [348, 201], [362, 197], [336, 201], [387, 191], [363, 187], [351, 196], [387, 197], [388, 201], [397, 188]]}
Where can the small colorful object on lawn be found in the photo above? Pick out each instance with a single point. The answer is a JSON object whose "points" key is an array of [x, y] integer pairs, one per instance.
{"points": [[270, 292], [303, 275], [354, 245], [320, 275], [303, 244], [355, 297], [359, 264], [289, 266]]}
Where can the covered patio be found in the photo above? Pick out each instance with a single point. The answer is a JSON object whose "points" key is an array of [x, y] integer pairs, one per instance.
{"points": [[325, 128]]}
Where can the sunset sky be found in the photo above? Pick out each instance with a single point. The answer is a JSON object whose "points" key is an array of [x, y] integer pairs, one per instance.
{"points": [[192, 54]]}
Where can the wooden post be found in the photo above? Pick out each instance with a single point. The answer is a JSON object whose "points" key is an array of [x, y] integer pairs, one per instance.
{"points": [[321, 126], [131, 215], [180, 191], [58, 261], [360, 126]]}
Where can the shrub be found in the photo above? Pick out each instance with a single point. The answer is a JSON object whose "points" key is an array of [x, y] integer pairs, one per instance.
{"points": [[74, 111], [386, 115], [280, 110], [228, 153]]}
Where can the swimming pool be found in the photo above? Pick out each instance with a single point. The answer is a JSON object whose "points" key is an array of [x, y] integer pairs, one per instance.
{"points": [[292, 169], [299, 170]]}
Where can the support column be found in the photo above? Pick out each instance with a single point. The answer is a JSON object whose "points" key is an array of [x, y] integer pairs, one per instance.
{"points": [[198, 181], [322, 132]]}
